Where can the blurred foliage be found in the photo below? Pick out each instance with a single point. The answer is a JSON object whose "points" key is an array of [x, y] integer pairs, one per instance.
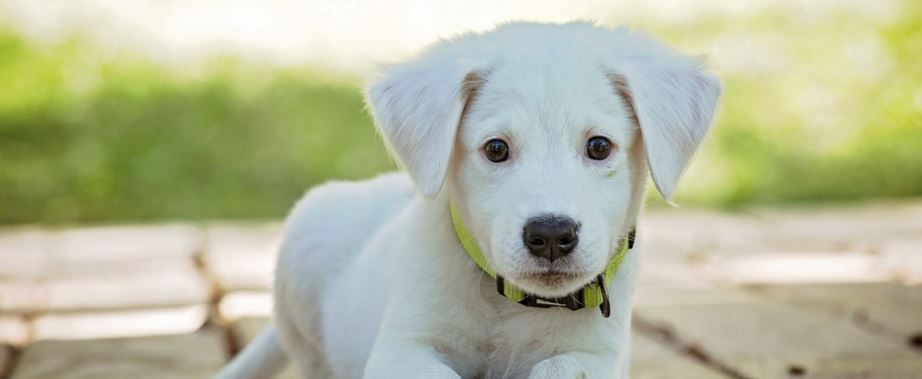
{"points": [[817, 106], [88, 139], [82, 140]]}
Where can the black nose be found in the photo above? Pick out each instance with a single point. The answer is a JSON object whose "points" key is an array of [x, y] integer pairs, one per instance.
{"points": [[550, 237]]}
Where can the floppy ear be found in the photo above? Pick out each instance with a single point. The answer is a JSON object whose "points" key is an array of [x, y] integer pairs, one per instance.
{"points": [[417, 107], [673, 103]]}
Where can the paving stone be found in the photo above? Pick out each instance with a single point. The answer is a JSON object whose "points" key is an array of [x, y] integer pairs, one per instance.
{"points": [[21, 251], [888, 308], [882, 367], [902, 257], [242, 256], [119, 323], [22, 297], [776, 246], [165, 284], [702, 233], [237, 305], [660, 272], [786, 267], [653, 360], [667, 237], [150, 284], [194, 355], [4, 357], [667, 256], [851, 226], [13, 330], [765, 340], [703, 294], [699, 232], [115, 248], [248, 328]]}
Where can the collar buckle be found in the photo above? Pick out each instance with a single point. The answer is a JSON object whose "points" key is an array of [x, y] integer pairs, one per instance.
{"points": [[572, 301], [605, 307]]}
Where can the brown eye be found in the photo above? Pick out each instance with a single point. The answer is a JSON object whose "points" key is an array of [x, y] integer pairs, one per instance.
{"points": [[598, 148], [496, 150]]}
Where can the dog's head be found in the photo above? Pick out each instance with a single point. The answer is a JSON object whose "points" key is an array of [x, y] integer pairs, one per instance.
{"points": [[542, 135]]}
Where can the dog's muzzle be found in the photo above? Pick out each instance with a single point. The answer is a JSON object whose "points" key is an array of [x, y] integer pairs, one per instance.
{"points": [[594, 294]]}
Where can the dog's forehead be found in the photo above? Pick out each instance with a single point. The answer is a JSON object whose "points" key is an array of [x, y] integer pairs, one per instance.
{"points": [[559, 78], [554, 92]]}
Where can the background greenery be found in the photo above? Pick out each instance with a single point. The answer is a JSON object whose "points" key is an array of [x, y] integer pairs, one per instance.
{"points": [[90, 139]]}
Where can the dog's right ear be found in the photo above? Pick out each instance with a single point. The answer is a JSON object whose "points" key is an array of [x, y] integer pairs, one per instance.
{"points": [[417, 107], [672, 99]]}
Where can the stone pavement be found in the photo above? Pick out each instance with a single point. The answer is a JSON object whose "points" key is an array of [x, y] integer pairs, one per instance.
{"points": [[767, 293]]}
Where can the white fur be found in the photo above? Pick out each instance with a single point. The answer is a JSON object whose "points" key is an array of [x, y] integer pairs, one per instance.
{"points": [[372, 281]]}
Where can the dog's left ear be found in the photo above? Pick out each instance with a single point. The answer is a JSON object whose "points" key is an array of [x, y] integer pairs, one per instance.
{"points": [[417, 107], [672, 99]]}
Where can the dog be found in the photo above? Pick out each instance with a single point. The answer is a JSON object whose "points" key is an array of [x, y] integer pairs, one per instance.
{"points": [[507, 248]]}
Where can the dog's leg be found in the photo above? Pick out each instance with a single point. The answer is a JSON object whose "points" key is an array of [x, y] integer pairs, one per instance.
{"points": [[306, 354], [576, 365], [405, 360]]}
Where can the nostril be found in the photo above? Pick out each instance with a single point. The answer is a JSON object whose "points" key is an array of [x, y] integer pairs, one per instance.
{"points": [[565, 239], [536, 242]]}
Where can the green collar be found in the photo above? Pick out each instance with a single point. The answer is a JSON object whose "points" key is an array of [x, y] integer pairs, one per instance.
{"points": [[594, 294]]}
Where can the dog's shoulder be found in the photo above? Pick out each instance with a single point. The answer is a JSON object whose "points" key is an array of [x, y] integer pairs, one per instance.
{"points": [[343, 199], [345, 208]]}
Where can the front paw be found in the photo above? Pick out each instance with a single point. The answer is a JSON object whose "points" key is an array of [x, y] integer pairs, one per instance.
{"points": [[439, 372], [559, 367]]}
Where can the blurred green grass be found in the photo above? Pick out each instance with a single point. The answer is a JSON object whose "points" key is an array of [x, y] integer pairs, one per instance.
{"points": [[86, 139], [832, 114]]}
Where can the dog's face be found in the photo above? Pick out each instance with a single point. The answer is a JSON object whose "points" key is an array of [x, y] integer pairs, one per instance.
{"points": [[542, 132], [542, 170]]}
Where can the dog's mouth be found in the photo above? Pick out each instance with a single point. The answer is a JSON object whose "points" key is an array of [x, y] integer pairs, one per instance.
{"points": [[552, 278]]}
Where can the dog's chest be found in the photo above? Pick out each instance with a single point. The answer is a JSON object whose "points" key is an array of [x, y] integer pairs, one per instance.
{"points": [[511, 358], [515, 340], [489, 339]]}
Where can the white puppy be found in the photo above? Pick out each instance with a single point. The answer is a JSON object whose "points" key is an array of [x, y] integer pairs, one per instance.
{"points": [[528, 147]]}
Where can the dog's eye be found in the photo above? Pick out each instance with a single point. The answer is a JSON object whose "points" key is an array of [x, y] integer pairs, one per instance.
{"points": [[598, 148], [496, 150]]}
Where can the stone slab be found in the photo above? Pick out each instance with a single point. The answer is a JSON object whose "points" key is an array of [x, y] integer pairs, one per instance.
{"points": [[22, 297], [168, 284], [701, 294], [855, 226], [697, 232], [245, 304], [888, 308], [13, 330], [113, 248], [703, 233], [125, 285], [193, 355], [792, 267], [113, 324], [653, 360], [4, 358], [668, 256], [21, 251], [242, 256], [763, 339], [903, 258]]}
